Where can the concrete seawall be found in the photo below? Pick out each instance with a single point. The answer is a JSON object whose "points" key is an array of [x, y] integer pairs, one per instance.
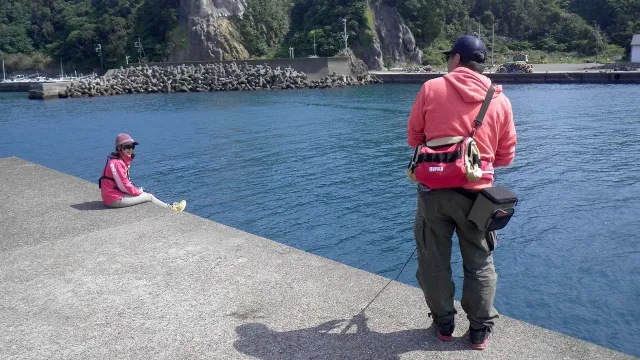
{"points": [[36, 90], [320, 67], [81, 281], [618, 77], [313, 67], [43, 91], [15, 86]]}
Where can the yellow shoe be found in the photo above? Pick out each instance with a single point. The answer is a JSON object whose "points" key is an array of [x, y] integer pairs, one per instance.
{"points": [[178, 206]]}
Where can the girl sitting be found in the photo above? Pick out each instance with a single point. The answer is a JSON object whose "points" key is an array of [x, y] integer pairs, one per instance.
{"points": [[115, 187]]}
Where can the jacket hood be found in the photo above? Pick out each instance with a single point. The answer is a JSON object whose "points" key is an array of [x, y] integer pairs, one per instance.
{"points": [[116, 155], [471, 85], [127, 160]]}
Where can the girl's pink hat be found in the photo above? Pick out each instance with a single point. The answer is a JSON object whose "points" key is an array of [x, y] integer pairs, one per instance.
{"points": [[124, 139]]}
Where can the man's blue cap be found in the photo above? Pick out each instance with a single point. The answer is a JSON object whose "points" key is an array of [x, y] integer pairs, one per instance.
{"points": [[470, 48]]}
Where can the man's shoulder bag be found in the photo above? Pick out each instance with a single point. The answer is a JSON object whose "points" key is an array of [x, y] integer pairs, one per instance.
{"points": [[449, 162]]}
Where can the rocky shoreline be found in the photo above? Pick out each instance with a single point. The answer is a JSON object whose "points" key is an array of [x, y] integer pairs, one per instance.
{"points": [[204, 78]]}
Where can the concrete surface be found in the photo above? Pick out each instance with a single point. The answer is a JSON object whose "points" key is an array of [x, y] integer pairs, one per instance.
{"points": [[28, 86], [555, 77], [17, 86], [564, 67], [41, 91], [79, 281]]}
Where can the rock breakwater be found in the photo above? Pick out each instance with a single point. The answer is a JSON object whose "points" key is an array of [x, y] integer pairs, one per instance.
{"points": [[207, 77]]}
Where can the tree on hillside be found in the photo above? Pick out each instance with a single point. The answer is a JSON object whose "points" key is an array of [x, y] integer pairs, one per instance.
{"points": [[35, 31], [324, 17]]}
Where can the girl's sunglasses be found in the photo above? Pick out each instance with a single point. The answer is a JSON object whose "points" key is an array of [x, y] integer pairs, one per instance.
{"points": [[127, 147]]}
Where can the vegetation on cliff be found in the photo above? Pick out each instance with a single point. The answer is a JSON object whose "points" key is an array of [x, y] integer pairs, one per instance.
{"points": [[264, 25], [323, 19], [33, 33]]}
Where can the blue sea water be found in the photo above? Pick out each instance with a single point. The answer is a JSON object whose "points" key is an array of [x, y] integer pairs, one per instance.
{"points": [[323, 171]]}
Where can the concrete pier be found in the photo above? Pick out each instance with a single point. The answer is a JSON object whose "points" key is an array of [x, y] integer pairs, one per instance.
{"points": [[80, 281], [45, 88], [41, 91], [558, 77], [17, 86]]}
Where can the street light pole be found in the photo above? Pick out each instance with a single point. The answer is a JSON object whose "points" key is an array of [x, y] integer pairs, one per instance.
{"points": [[4, 76], [597, 36], [493, 40], [99, 51], [314, 44]]}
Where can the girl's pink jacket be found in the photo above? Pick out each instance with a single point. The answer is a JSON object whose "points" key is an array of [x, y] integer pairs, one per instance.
{"points": [[115, 183], [447, 106]]}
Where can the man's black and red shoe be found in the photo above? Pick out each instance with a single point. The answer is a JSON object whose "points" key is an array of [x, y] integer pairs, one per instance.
{"points": [[479, 338], [445, 330]]}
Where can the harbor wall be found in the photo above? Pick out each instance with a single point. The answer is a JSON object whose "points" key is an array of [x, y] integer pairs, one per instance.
{"points": [[41, 91], [313, 67], [15, 86], [617, 77], [321, 66]]}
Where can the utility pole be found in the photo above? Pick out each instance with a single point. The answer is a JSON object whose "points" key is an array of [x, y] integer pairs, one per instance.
{"points": [[4, 76], [344, 21], [493, 40], [291, 52], [141, 54], [597, 36], [314, 44], [478, 29], [127, 59], [99, 51]]}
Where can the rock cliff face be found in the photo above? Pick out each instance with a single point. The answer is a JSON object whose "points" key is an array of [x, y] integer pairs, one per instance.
{"points": [[393, 39], [208, 32]]}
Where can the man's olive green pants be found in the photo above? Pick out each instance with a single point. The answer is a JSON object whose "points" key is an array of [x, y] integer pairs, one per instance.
{"points": [[439, 214]]}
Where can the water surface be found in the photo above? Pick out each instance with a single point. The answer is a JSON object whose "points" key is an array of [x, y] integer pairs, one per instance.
{"points": [[323, 171]]}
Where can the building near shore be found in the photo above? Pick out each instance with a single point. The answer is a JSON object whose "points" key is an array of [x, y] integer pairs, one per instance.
{"points": [[635, 48]]}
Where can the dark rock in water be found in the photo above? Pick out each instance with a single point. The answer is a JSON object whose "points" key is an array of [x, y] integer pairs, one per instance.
{"points": [[209, 77]]}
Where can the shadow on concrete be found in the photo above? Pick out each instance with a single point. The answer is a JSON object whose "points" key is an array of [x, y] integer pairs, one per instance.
{"points": [[90, 205], [325, 342]]}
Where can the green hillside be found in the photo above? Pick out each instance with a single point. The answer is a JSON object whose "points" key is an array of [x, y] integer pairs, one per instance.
{"points": [[36, 33]]}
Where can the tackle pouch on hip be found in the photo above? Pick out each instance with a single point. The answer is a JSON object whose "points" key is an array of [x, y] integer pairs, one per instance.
{"points": [[493, 208]]}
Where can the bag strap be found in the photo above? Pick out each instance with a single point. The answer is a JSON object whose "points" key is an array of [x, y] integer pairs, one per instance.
{"points": [[483, 110]]}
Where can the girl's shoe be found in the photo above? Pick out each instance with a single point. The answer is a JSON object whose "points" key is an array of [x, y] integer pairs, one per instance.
{"points": [[178, 206]]}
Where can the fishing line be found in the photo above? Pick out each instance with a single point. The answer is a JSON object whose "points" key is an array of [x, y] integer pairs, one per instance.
{"points": [[350, 324]]}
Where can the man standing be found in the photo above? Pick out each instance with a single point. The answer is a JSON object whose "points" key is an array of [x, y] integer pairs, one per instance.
{"points": [[447, 106]]}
